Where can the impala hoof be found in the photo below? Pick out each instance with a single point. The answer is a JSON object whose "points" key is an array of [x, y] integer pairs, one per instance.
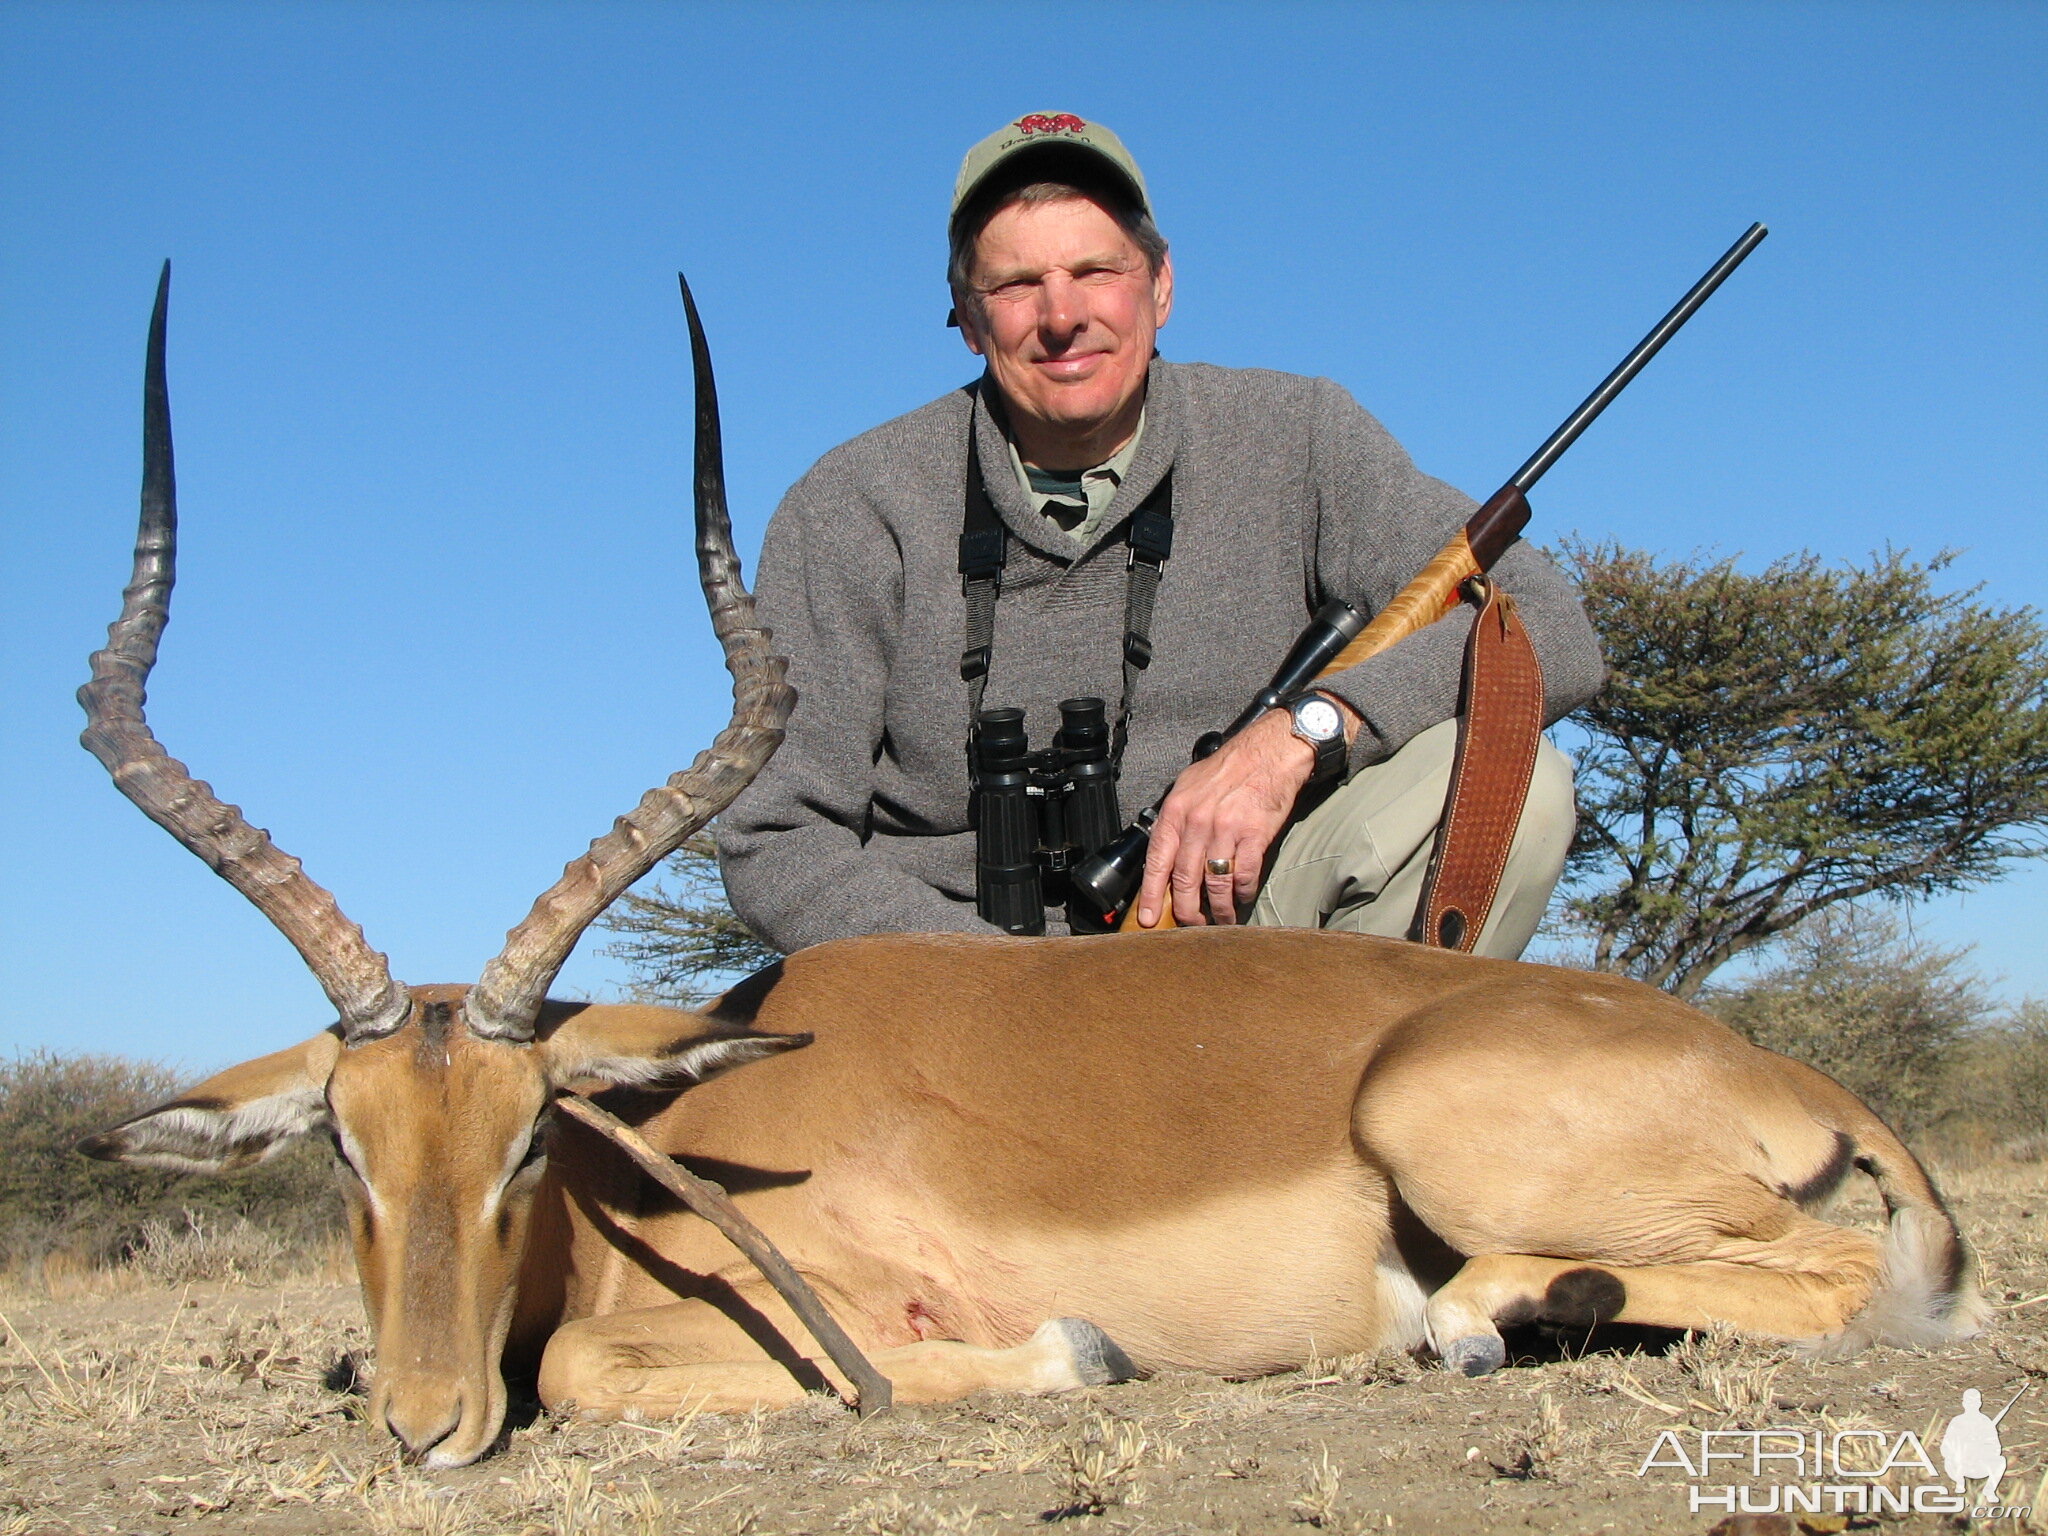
{"points": [[1097, 1360], [1478, 1355]]}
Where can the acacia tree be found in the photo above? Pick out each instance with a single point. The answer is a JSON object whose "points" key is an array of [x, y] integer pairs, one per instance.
{"points": [[681, 940], [1771, 744]]}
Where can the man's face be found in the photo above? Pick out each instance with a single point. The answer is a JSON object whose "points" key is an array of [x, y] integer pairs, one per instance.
{"points": [[1069, 312]]}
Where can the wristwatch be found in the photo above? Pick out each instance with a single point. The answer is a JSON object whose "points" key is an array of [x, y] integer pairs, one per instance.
{"points": [[1319, 722]]}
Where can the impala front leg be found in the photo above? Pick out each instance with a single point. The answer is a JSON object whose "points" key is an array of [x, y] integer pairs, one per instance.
{"points": [[659, 1362]]}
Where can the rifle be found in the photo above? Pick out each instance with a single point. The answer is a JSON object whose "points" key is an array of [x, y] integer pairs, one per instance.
{"points": [[1337, 639]]}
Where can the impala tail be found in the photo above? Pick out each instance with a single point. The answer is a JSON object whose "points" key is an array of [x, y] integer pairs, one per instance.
{"points": [[1927, 1292]]}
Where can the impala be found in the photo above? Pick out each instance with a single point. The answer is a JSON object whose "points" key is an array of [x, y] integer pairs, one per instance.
{"points": [[1225, 1149]]}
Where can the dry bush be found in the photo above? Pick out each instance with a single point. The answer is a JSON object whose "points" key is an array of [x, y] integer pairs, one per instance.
{"points": [[417, 1509], [205, 1248], [748, 1437], [562, 1494], [1994, 1100], [1538, 1451], [1909, 1027], [53, 1201], [103, 1389], [1387, 1367], [679, 938], [1856, 994]]}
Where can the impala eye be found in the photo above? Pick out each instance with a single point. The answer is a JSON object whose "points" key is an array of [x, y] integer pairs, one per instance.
{"points": [[536, 1143], [341, 1157]]}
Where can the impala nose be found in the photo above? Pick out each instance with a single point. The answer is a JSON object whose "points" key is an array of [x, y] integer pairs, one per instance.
{"points": [[422, 1415]]}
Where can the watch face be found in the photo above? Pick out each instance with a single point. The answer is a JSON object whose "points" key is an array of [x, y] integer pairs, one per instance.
{"points": [[1317, 719]]}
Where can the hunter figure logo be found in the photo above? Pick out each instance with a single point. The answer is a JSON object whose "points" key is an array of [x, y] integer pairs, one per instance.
{"points": [[1843, 1471], [1970, 1447], [1051, 122]]}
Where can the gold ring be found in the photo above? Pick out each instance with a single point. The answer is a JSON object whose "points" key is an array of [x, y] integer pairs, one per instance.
{"points": [[1219, 866]]}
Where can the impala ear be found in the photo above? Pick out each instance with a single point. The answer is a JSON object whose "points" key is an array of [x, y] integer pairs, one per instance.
{"points": [[634, 1045], [238, 1117]]}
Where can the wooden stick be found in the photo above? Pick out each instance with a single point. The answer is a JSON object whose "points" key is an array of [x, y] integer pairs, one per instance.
{"points": [[874, 1393]]}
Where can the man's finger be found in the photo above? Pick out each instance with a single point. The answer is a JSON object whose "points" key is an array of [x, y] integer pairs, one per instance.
{"points": [[1187, 899], [1190, 875], [1158, 866], [1221, 889], [1246, 866]]}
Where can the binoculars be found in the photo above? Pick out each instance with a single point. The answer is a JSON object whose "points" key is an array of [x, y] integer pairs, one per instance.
{"points": [[1038, 814]]}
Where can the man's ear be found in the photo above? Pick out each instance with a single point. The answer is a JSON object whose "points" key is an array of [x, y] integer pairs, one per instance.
{"points": [[963, 317], [637, 1045], [238, 1117]]}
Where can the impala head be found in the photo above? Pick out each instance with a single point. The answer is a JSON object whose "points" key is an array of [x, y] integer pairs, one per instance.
{"points": [[436, 1098]]}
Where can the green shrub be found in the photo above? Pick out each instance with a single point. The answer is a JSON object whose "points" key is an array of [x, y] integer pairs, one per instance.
{"points": [[53, 1199]]}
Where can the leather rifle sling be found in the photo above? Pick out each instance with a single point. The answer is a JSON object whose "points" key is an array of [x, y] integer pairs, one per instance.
{"points": [[1500, 723]]}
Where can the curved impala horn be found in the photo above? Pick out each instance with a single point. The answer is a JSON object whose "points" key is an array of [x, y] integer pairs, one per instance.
{"points": [[355, 977], [507, 998]]}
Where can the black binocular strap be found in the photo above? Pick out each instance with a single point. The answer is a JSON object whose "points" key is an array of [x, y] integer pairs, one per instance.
{"points": [[984, 550]]}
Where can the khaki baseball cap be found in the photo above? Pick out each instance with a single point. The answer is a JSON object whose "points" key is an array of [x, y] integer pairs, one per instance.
{"points": [[1036, 131]]}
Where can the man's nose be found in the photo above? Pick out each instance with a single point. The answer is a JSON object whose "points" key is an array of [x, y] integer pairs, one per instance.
{"points": [[1062, 309]]}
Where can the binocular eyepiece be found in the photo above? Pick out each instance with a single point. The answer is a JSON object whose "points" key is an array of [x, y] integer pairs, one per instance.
{"points": [[1038, 814]]}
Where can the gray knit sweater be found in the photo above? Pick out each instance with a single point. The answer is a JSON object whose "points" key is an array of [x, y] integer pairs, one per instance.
{"points": [[1286, 493]]}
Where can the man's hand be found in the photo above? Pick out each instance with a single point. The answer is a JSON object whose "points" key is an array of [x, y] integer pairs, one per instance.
{"points": [[1231, 805]]}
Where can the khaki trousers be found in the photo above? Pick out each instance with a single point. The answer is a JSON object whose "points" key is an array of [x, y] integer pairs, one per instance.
{"points": [[1357, 861]]}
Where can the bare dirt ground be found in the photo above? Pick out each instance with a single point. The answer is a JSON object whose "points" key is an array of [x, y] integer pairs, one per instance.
{"points": [[127, 1406]]}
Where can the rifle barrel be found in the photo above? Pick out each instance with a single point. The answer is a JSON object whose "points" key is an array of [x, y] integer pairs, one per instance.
{"points": [[1631, 365]]}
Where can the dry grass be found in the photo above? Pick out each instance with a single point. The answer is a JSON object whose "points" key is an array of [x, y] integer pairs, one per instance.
{"points": [[1728, 1375], [1322, 1489], [894, 1515], [1098, 1468]]}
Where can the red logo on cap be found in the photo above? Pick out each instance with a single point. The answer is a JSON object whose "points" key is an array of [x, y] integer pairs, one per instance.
{"points": [[1051, 122]]}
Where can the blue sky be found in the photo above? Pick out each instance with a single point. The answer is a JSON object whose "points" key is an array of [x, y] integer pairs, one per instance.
{"points": [[435, 624]]}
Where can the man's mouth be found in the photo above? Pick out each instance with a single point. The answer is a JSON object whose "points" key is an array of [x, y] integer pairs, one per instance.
{"points": [[1071, 365]]}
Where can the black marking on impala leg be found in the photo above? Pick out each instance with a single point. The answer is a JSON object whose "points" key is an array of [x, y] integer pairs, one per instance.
{"points": [[1827, 1178], [1583, 1298]]}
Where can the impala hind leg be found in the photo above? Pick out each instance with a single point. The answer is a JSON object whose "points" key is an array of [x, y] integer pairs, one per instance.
{"points": [[659, 1362], [1757, 1293]]}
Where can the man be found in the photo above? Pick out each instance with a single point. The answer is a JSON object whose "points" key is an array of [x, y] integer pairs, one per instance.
{"points": [[1282, 494]]}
